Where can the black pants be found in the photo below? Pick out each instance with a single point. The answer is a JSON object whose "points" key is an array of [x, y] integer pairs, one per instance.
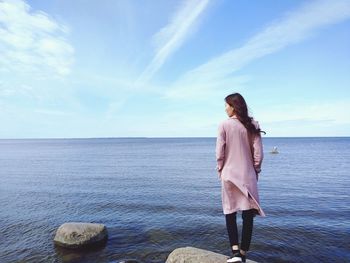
{"points": [[247, 230]]}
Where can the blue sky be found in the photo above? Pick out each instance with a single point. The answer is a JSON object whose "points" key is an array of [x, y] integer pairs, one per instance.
{"points": [[162, 68]]}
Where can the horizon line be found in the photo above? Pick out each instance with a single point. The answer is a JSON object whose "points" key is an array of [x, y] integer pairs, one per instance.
{"points": [[179, 137]]}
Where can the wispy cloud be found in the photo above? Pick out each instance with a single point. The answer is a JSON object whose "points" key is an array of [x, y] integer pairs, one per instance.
{"points": [[32, 41], [173, 35], [292, 28], [52, 112], [316, 110]]}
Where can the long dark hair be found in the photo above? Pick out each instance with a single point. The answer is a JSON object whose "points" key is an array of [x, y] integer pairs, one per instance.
{"points": [[237, 101]]}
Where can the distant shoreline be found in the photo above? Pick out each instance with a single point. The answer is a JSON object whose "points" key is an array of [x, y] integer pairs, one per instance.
{"points": [[104, 138]]}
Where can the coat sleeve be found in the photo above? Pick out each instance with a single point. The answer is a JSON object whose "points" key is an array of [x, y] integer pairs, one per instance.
{"points": [[220, 148], [258, 153]]}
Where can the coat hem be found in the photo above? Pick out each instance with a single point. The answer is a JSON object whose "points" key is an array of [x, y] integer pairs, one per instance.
{"points": [[248, 195]]}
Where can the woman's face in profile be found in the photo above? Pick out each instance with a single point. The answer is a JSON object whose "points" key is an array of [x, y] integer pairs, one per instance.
{"points": [[228, 109]]}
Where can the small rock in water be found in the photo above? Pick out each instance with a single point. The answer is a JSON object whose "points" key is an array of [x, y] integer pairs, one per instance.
{"points": [[76, 234]]}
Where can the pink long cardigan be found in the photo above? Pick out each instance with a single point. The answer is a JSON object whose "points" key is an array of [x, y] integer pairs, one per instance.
{"points": [[235, 161]]}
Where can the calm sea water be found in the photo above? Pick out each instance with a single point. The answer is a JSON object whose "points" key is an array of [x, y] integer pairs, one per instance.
{"points": [[155, 195]]}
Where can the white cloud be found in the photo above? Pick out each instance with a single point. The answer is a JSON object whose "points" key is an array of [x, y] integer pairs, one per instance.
{"points": [[32, 41], [290, 29], [52, 112], [201, 90], [173, 35], [315, 118]]}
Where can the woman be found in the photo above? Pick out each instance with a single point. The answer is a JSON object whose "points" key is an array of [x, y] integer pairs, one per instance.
{"points": [[239, 155]]}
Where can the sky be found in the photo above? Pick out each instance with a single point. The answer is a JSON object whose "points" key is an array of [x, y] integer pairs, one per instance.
{"points": [[133, 68]]}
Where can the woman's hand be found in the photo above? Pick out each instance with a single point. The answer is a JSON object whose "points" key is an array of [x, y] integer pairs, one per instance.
{"points": [[257, 174], [218, 171]]}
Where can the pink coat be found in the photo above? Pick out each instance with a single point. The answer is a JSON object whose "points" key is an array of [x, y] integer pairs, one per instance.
{"points": [[237, 164]]}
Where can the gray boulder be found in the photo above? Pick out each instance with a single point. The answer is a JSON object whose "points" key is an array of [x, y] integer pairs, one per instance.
{"points": [[196, 255], [75, 234]]}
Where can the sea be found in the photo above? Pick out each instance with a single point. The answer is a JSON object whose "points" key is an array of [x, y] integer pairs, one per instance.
{"points": [[158, 194]]}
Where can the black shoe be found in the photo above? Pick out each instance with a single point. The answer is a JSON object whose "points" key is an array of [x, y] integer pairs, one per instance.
{"points": [[236, 257], [242, 257]]}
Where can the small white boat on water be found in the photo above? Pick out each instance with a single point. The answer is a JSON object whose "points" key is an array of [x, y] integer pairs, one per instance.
{"points": [[274, 150]]}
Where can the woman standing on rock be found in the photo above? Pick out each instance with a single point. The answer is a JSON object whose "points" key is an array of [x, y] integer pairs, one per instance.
{"points": [[239, 155]]}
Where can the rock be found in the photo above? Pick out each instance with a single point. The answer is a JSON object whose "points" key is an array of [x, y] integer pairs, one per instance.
{"points": [[76, 235], [196, 255]]}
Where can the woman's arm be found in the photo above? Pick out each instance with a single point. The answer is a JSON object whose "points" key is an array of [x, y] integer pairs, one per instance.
{"points": [[257, 148], [220, 148], [258, 153]]}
